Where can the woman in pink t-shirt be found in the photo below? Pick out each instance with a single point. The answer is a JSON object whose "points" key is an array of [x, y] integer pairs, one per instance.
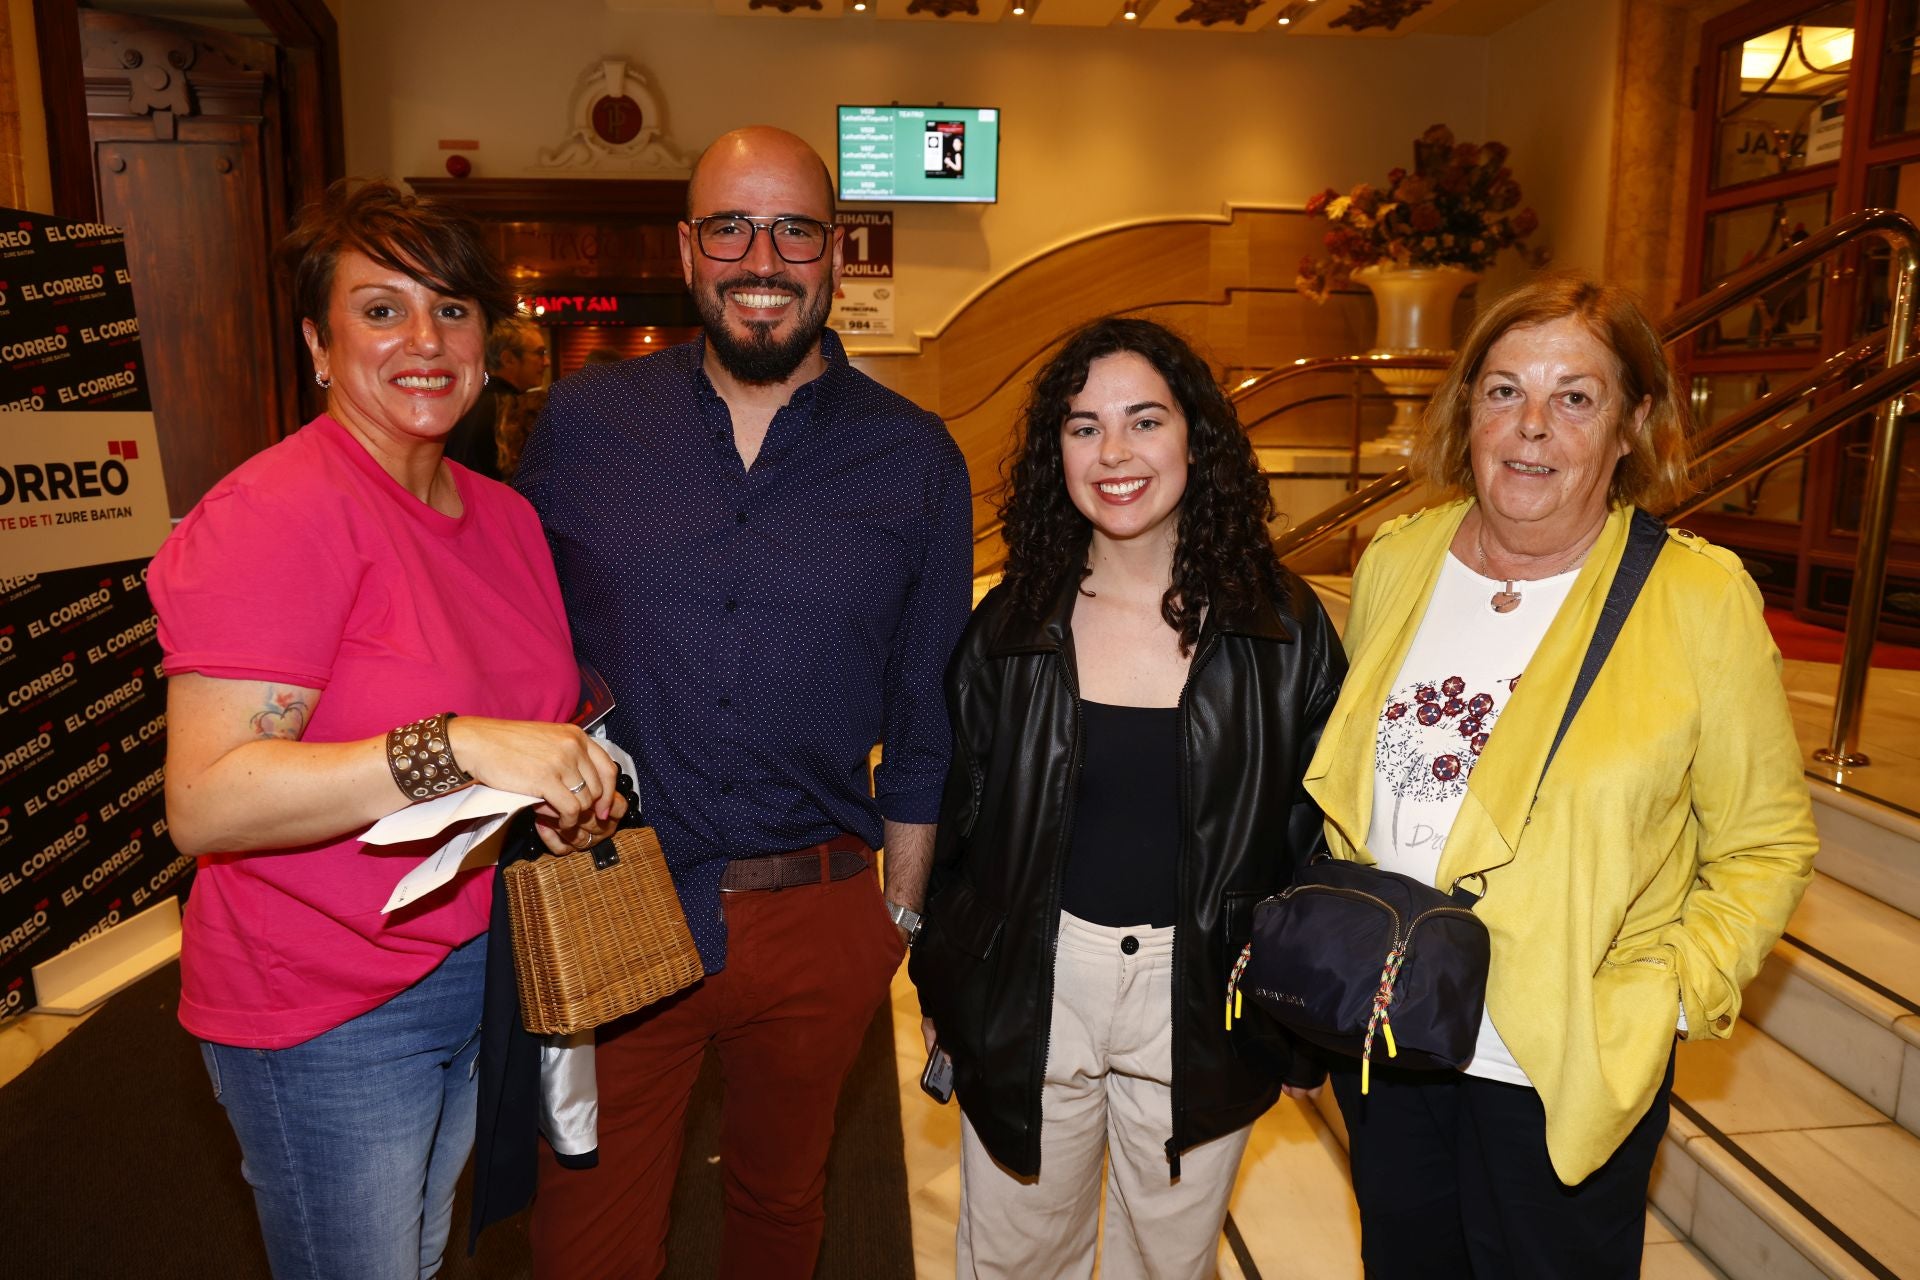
{"points": [[327, 611]]}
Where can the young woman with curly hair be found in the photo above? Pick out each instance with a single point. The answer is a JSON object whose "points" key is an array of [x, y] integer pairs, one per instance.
{"points": [[1133, 709]]}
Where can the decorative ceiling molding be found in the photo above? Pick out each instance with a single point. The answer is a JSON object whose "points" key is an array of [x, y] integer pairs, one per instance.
{"points": [[812, 10], [616, 126], [1369, 14], [1208, 13], [948, 11], [1388, 19], [1077, 13], [1217, 16]]}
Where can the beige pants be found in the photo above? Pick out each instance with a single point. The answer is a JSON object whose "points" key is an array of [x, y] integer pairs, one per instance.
{"points": [[1107, 1093]]}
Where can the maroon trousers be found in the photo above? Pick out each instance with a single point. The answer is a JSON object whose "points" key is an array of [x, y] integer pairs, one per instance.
{"points": [[806, 969]]}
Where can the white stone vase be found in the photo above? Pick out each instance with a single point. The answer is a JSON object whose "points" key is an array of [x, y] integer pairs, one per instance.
{"points": [[1415, 306]]}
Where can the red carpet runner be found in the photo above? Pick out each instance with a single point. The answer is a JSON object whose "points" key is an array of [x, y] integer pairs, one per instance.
{"points": [[1810, 642]]}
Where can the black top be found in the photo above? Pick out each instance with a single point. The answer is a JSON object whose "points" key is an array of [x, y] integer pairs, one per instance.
{"points": [[1124, 867], [474, 442]]}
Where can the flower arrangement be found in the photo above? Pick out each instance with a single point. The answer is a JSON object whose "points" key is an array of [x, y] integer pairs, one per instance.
{"points": [[1458, 208]]}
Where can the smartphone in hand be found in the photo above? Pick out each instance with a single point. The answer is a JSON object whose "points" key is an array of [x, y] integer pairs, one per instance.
{"points": [[937, 1079]]}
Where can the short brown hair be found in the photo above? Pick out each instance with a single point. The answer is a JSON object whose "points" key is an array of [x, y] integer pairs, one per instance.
{"points": [[515, 333], [434, 244], [1653, 473]]}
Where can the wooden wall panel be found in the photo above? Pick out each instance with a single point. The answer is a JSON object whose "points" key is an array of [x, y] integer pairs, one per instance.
{"points": [[185, 128], [210, 333], [56, 27], [1049, 298], [13, 162]]}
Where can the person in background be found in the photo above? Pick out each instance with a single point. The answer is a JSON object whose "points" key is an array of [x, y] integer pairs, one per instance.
{"points": [[516, 364], [1133, 710], [602, 355], [351, 624], [517, 418], [1669, 840], [768, 556]]}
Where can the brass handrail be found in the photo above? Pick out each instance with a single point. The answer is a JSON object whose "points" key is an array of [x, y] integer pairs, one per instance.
{"points": [[1730, 430], [1902, 238], [1343, 514], [1876, 516], [1890, 224], [1330, 364], [1794, 437]]}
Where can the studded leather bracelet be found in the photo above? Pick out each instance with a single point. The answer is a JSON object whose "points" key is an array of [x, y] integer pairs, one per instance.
{"points": [[421, 759]]}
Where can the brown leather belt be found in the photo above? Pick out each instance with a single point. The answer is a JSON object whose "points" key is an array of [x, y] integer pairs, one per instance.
{"points": [[834, 859]]}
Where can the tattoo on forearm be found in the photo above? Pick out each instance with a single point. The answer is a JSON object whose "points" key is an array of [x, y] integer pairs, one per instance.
{"points": [[283, 715]]}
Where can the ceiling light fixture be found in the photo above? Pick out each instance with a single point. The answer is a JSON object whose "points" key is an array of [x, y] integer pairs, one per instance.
{"points": [[1130, 14]]}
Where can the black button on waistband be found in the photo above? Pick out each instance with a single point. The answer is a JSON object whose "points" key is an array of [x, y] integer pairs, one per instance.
{"points": [[1129, 944]]}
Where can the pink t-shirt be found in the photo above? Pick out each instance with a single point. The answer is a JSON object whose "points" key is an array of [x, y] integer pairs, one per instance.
{"points": [[310, 565]]}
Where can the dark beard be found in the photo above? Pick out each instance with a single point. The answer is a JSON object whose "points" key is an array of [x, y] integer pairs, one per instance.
{"points": [[760, 358]]}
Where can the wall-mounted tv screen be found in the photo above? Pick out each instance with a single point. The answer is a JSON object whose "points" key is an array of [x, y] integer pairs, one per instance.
{"points": [[920, 153]]}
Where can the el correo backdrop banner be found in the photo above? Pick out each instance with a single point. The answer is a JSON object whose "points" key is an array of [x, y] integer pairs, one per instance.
{"points": [[83, 831], [79, 489]]}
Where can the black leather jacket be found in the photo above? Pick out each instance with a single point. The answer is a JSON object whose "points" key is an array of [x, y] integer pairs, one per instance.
{"points": [[1257, 695]]}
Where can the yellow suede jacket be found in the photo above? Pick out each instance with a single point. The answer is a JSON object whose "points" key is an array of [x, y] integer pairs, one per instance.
{"points": [[1669, 843]]}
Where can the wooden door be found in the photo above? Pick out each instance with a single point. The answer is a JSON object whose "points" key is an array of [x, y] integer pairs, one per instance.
{"points": [[186, 132]]}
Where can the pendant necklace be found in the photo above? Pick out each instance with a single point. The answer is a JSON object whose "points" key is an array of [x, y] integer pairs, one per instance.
{"points": [[1507, 599]]}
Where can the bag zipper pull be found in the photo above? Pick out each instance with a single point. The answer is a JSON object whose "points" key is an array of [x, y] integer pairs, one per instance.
{"points": [[1233, 984], [1382, 997]]}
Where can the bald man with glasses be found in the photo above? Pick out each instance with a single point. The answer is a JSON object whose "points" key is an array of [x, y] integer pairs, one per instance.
{"points": [[768, 555]]}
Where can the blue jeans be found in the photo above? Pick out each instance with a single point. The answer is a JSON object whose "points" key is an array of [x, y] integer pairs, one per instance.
{"points": [[353, 1141]]}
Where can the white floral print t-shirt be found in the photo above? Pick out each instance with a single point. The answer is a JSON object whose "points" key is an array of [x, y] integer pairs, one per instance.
{"points": [[1464, 665]]}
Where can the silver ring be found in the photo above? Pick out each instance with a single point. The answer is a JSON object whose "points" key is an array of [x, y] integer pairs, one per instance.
{"points": [[578, 787]]}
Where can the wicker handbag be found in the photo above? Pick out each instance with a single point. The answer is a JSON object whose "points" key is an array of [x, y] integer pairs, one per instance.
{"points": [[597, 934]]}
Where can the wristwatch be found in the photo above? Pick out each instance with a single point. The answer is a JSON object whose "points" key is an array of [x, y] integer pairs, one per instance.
{"points": [[907, 918]]}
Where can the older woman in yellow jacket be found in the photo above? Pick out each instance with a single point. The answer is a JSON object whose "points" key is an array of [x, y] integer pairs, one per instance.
{"points": [[1669, 841]]}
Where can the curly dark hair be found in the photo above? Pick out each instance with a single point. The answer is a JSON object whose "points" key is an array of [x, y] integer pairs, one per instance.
{"points": [[1223, 557]]}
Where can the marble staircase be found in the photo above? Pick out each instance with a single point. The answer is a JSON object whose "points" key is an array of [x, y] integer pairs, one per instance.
{"points": [[1793, 1151]]}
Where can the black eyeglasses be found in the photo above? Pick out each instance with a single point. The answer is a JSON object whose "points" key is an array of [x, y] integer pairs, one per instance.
{"points": [[728, 237]]}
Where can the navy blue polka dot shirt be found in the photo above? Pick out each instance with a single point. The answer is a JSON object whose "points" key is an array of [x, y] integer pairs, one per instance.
{"points": [[760, 630]]}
